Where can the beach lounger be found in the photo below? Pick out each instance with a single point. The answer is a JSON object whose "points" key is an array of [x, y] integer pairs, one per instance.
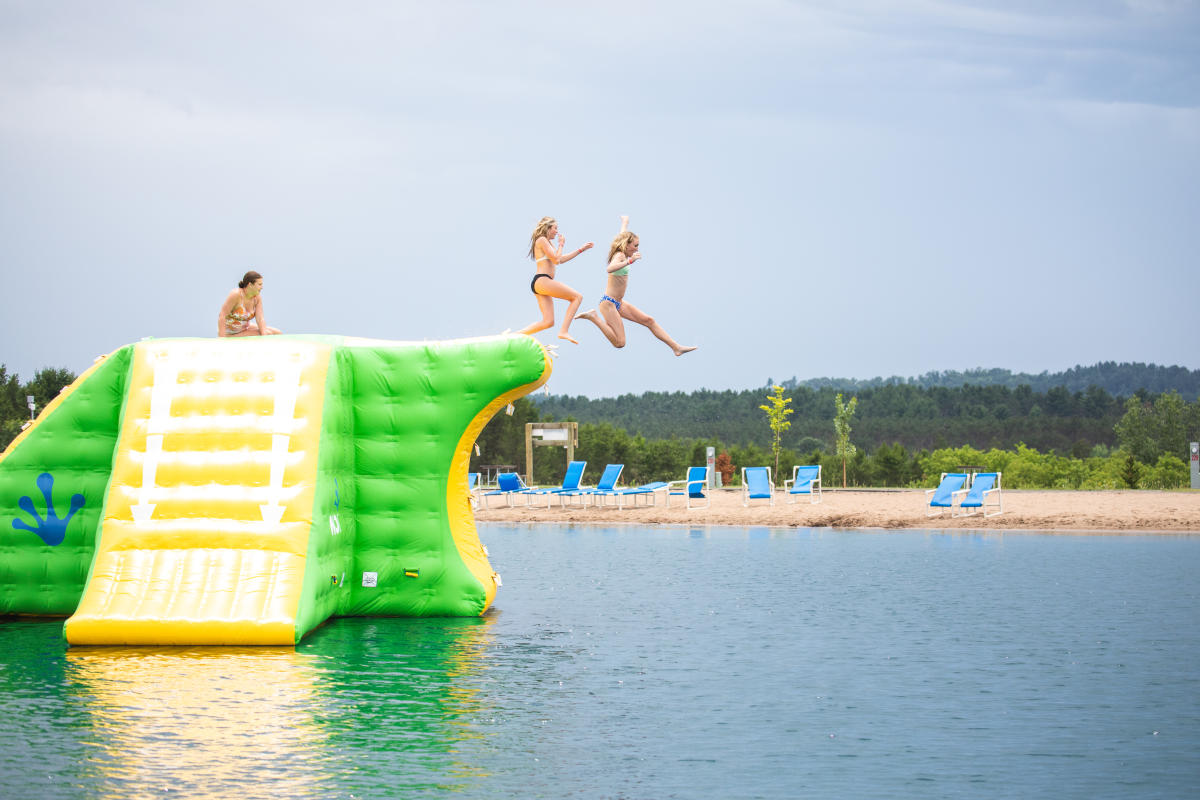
{"points": [[693, 487], [757, 485], [943, 496], [509, 485], [570, 483], [606, 485], [984, 493], [646, 492], [804, 480]]}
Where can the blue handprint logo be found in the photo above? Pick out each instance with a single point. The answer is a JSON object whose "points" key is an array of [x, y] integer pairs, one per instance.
{"points": [[50, 530]]}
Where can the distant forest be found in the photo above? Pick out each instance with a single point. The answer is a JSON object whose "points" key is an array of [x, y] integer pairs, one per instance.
{"points": [[1117, 379], [1069, 412]]}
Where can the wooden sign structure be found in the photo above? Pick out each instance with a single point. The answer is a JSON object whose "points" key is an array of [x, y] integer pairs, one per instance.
{"points": [[558, 434]]}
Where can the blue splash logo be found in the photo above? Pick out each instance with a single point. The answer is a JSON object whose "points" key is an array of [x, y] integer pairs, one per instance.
{"points": [[50, 530]]}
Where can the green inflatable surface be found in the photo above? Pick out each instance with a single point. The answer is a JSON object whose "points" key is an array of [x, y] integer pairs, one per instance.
{"points": [[242, 491]]}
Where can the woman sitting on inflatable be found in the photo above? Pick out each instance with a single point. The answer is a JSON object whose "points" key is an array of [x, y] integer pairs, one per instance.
{"points": [[242, 312]]}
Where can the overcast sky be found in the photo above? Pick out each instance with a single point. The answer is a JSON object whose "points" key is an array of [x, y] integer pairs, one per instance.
{"points": [[821, 187]]}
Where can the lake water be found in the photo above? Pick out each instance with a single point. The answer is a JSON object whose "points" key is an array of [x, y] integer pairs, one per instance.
{"points": [[628, 662]]}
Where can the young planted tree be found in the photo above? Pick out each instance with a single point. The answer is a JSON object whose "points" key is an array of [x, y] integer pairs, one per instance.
{"points": [[777, 413], [841, 429]]}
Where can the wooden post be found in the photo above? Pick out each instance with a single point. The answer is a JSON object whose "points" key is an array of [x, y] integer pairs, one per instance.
{"points": [[571, 436], [529, 454]]}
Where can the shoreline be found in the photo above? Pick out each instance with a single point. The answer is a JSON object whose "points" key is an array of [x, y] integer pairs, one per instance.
{"points": [[1064, 511]]}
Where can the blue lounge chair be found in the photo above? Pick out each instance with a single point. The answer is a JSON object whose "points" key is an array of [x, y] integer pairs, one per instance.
{"points": [[693, 487], [757, 485], [646, 491], [943, 495], [985, 488], [508, 485], [570, 483], [606, 485], [804, 480]]}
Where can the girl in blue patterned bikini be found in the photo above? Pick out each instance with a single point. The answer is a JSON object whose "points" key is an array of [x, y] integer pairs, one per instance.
{"points": [[613, 305]]}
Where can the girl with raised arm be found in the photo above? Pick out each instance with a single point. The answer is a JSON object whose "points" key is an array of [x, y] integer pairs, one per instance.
{"points": [[242, 312], [613, 305], [544, 286]]}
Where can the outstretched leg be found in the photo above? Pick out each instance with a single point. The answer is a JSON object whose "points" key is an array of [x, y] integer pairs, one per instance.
{"points": [[608, 321], [546, 306], [547, 288], [634, 314]]}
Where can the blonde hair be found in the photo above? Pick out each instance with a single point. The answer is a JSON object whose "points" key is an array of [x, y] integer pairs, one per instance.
{"points": [[542, 228], [623, 240]]}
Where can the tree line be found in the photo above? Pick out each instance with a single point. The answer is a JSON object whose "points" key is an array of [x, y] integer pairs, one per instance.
{"points": [[1122, 379], [916, 417], [902, 434]]}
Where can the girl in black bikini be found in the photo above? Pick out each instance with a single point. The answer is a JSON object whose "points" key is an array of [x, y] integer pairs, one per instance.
{"points": [[544, 287]]}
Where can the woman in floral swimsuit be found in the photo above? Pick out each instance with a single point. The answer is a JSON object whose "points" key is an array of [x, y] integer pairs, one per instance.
{"points": [[242, 312]]}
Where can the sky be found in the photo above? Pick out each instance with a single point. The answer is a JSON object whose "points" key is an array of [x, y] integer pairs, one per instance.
{"points": [[820, 187]]}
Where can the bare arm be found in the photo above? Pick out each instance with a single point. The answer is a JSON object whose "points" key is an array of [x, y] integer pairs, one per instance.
{"points": [[573, 253], [621, 260], [556, 255], [258, 316], [624, 223], [226, 307]]}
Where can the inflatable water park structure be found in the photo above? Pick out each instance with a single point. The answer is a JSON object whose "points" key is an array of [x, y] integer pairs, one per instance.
{"points": [[243, 491]]}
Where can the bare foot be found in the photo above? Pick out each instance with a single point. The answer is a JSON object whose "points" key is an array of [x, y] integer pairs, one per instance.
{"points": [[683, 350], [567, 336], [589, 315]]}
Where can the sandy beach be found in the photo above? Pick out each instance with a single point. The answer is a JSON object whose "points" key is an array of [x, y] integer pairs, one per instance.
{"points": [[1060, 511]]}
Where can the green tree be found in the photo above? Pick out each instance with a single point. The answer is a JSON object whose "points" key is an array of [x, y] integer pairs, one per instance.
{"points": [[47, 383], [777, 413], [1131, 471], [1169, 473], [1150, 430], [889, 465], [843, 413], [12, 399]]}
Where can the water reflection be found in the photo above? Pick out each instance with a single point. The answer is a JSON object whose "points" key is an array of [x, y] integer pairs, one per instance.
{"points": [[362, 707], [204, 723], [401, 696]]}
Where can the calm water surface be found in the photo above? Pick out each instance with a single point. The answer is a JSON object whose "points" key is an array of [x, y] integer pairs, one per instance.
{"points": [[666, 662]]}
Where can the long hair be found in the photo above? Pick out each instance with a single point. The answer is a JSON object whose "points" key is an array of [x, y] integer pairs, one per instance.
{"points": [[249, 278], [542, 227], [623, 240]]}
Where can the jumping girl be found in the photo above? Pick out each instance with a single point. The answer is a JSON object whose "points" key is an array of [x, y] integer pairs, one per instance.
{"points": [[613, 305], [544, 286]]}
